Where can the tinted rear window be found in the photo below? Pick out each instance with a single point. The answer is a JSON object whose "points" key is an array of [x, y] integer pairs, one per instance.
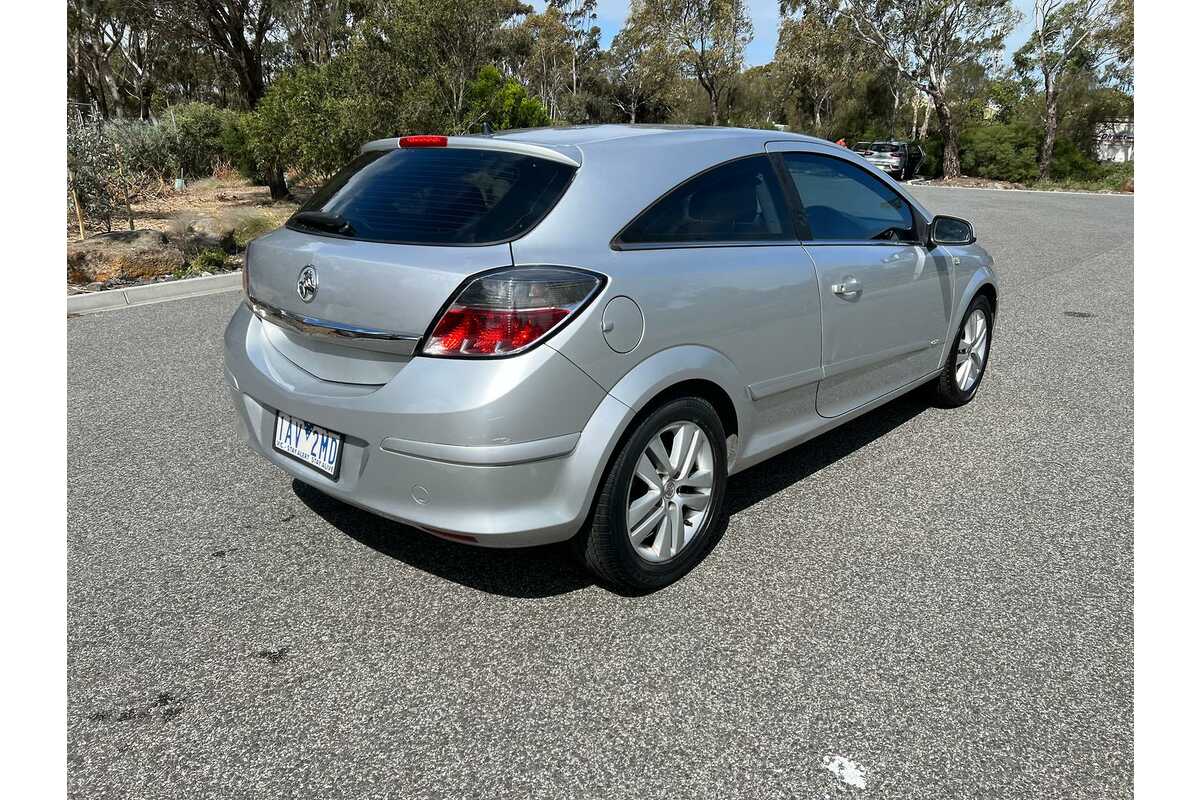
{"points": [[450, 196], [739, 201], [884, 147]]}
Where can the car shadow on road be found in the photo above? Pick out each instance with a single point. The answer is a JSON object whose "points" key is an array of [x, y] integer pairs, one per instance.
{"points": [[527, 572], [548, 571], [792, 466]]}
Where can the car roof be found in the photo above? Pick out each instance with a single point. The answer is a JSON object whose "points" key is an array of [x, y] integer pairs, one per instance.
{"points": [[582, 136]]}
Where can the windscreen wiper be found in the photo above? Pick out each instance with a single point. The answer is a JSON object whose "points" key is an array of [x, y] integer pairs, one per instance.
{"points": [[334, 223]]}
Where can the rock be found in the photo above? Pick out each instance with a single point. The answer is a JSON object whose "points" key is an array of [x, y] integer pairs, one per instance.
{"points": [[1127, 186], [122, 255], [210, 233]]}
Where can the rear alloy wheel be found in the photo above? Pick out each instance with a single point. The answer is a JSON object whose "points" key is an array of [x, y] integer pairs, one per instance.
{"points": [[965, 365], [659, 510], [671, 490]]}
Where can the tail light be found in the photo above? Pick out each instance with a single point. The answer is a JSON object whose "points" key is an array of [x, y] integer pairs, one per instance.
{"points": [[510, 311]]}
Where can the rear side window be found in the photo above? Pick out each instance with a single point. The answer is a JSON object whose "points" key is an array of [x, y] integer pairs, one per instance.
{"points": [[447, 196], [844, 202], [736, 202]]}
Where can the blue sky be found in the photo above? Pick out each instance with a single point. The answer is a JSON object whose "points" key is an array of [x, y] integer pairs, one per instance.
{"points": [[765, 15]]}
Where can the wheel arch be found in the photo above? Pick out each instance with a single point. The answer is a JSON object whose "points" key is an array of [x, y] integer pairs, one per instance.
{"points": [[686, 370]]}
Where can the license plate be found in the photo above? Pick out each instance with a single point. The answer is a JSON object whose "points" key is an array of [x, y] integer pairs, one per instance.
{"points": [[309, 444]]}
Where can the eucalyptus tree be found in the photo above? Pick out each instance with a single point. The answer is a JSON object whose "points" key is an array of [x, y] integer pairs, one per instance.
{"points": [[1068, 35], [640, 69], [925, 41], [707, 38], [817, 59], [580, 17]]}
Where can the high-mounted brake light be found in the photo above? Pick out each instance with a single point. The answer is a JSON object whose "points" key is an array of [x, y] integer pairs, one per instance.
{"points": [[510, 311], [423, 140]]}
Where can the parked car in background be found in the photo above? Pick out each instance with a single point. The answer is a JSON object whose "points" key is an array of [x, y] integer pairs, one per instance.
{"points": [[899, 159], [580, 333]]}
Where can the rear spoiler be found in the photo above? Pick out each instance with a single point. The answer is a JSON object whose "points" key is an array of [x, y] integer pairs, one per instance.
{"points": [[490, 143]]}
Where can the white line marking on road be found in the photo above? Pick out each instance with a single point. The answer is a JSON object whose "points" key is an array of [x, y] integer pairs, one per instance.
{"points": [[848, 772]]}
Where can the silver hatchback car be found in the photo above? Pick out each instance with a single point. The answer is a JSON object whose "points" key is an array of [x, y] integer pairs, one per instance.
{"points": [[581, 333]]}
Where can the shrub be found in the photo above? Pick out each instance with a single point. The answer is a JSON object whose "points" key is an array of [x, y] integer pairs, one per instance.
{"points": [[205, 261], [142, 147], [303, 125], [89, 164], [251, 227], [197, 141], [1001, 152], [112, 165], [237, 148], [1071, 164]]}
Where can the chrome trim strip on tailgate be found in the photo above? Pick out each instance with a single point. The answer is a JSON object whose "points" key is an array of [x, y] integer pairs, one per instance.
{"points": [[376, 339]]}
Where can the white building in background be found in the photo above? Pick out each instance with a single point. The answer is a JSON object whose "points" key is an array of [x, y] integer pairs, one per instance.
{"points": [[1114, 140]]}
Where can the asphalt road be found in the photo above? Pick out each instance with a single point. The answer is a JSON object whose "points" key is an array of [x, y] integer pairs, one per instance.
{"points": [[941, 598]]}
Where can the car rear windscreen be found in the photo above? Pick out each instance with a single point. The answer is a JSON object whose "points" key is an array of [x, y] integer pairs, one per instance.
{"points": [[447, 196], [884, 147]]}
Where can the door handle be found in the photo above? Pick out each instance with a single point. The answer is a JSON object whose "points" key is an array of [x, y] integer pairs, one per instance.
{"points": [[849, 287]]}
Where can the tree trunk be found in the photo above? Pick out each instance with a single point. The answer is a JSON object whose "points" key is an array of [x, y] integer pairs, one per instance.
{"points": [[1051, 133], [925, 123], [276, 183], [951, 167], [712, 107]]}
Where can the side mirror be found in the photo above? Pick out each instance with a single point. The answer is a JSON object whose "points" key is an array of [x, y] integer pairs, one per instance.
{"points": [[951, 230]]}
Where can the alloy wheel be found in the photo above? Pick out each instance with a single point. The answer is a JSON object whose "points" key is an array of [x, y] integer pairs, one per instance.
{"points": [[972, 351], [669, 494]]}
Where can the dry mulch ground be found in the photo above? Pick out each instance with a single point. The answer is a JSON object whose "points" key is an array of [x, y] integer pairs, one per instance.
{"points": [[170, 211], [208, 196]]}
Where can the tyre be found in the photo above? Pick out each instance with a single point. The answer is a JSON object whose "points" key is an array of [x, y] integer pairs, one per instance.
{"points": [[660, 508], [963, 371]]}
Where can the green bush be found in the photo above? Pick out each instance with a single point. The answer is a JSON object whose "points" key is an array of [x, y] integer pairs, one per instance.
{"points": [[142, 147], [1071, 164], [503, 103], [251, 227], [1001, 152], [204, 261], [303, 125], [236, 146], [112, 165], [198, 140]]}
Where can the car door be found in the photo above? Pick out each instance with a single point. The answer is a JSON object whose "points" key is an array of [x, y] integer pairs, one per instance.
{"points": [[885, 298], [717, 262]]}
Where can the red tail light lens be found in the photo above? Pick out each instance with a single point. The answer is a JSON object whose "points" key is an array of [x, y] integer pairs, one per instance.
{"points": [[424, 140], [510, 311]]}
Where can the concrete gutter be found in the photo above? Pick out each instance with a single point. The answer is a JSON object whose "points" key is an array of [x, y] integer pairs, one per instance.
{"points": [[92, 302]]}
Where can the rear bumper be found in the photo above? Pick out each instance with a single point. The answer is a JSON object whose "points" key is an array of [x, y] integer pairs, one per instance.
{"points": [[411, 452]]}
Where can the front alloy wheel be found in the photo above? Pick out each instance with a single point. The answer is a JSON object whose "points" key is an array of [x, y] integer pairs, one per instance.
{"points": [[972, 350], [963, 371]]}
